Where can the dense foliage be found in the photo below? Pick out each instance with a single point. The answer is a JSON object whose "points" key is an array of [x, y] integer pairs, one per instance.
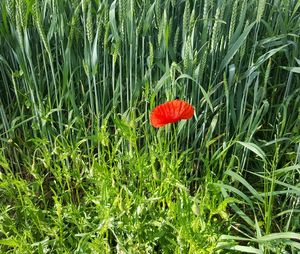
{"points": [[83, 171]]}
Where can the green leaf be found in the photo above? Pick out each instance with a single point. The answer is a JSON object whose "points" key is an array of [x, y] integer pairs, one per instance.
{"points": [[279, 236], [242, 249], [235, 47], [287, 169], [291, 69], [112, 20], [9, 242], [289, 186], [237, 192], [254, 148], [148, 19], [237, 210], [94, 52], [243, 181], [263, 58]]}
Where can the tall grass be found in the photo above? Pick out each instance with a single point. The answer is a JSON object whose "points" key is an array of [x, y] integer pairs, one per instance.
{"points": [[83, 171]]}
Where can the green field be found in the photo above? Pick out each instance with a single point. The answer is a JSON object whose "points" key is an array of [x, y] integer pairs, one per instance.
{"points": [[83, 171]]}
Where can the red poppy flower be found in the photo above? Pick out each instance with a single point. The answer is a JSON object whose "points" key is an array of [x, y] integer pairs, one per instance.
{"points": [[171, 112]]}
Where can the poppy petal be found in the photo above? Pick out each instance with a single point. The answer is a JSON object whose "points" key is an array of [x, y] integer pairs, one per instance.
{"points": [[171, 112]]}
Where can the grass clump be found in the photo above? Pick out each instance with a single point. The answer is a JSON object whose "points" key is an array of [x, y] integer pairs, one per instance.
{"points": [[82, 170]]}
